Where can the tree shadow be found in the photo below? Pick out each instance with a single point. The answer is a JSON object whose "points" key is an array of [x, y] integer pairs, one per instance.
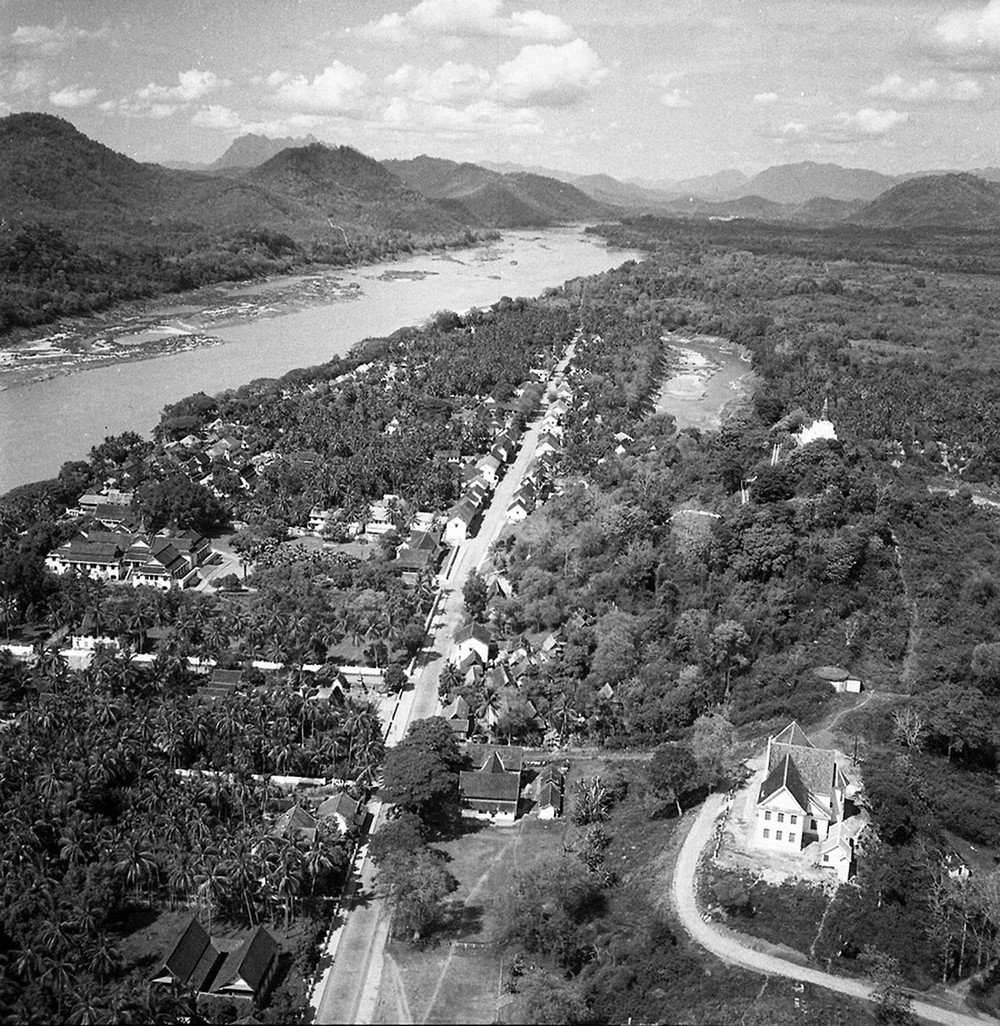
{"points": [[461, 921]]}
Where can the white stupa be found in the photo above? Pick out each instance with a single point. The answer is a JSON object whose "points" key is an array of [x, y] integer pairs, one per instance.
{"points": [[818, 429]]}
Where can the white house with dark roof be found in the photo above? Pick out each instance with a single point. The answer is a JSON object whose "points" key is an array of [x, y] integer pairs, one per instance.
{"points": [[802, 795], [472, 639], [491, 789]]}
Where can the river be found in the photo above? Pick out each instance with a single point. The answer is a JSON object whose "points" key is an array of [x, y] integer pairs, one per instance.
{"points": [[708, 374], [44, 423]]}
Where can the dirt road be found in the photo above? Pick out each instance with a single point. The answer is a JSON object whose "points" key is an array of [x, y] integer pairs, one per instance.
{"points": [[732, 948], [348, 991]]}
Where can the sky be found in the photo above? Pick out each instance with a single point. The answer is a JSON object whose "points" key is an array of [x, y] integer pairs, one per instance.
{"points": [[651, 89]]}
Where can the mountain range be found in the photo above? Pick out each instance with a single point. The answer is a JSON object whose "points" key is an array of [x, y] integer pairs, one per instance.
{"points": [[50, 171]]}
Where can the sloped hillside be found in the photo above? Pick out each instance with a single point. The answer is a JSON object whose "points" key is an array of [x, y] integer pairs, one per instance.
{"points": [[957, 201]]}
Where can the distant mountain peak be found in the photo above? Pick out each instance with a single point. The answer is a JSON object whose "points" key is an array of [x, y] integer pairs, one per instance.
{"points": [[252, 150]]}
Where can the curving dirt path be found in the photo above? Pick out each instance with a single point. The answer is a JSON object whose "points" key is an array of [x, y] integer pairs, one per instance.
{"points": [[732, 948]]}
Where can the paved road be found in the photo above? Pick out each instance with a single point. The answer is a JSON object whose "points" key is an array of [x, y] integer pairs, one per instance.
{"points": [[730, 947], [348, 990]]}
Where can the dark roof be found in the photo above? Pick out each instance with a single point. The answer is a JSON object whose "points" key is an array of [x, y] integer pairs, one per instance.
{"points": [[489, 786], [342, 804], [815, 766], [249, 962], [550, 794], [784, 774], [473, 630], [793, 734], [511, 756], [187, 952], [413, 559], [296, 822]]}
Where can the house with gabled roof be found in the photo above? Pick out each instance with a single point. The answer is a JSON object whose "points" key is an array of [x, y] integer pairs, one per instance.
{"points": [[458, 522], [458, 715], [802, 795], [347, 812], [220, 969], [296, 825], [549, 793], [491, 788], [473, 638]]}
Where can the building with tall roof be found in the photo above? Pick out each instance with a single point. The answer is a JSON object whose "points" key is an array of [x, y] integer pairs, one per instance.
{"points": [[803, 794]]}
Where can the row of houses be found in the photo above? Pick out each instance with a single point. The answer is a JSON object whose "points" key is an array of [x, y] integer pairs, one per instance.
{"points": [[480, 478], [164, 560], [536, 483]]}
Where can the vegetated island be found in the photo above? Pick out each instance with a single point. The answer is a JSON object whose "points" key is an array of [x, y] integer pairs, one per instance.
{"points": [[656, 609]]}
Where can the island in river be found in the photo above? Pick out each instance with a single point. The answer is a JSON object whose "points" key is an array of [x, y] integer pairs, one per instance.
{"points": [[225, 336]]}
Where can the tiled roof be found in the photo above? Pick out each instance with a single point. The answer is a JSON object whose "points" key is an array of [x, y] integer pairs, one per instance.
{"points": [[511, 756], [793, 734], [341, 804], [473, 630], [815, 766], [249, 963], [784, 774], [477, 785], [187, 952]]}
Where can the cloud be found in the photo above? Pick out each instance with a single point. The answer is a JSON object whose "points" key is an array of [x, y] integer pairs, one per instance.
{"points": [[672, 96], [970, 35], [338, 89], [448, 84], [28, 78], [896, 87], [765, 98], [47, 41], [465, 19], [844, 128], [403, 115], [73, 96], [129, 108], [191, 85], [218, 117], [550, 76]]}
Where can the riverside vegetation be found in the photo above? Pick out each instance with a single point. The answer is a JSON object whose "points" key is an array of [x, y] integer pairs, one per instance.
{"points": [[672, 626]]}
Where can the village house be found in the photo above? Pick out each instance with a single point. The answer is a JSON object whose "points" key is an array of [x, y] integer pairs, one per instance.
{"points": [[839, 679], [804, 800], [489, 468], [458, 522], [458, 716], [549, 793], [472, 639], [491, 788], [244, 970], [347, 812]]}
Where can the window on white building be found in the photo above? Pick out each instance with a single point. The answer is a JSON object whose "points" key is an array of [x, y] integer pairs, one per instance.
{"points": [[767, 833], [777, 835], [781, 817], [767, 815], [791, 838], [813, 824], [793, 819]]}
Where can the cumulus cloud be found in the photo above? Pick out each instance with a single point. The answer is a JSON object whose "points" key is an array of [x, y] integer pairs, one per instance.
{"points": [[550, 76], [29, 77], [673, 96], [403, 115], [191, 85], [47, 41], [464, 19], [970, 35], [338, 89], [448, 84], [845, 127], [765, 98], [72, 96], [218, 117], [896, 87]]}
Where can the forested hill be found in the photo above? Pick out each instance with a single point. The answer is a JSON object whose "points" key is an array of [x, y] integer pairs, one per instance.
{"points": [[84, 227], [343, 184], [956, 201], [50, 171], [495, 199]]}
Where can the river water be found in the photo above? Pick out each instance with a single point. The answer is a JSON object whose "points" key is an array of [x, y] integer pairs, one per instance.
{"points": [[708, 373], [45, 423]]}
